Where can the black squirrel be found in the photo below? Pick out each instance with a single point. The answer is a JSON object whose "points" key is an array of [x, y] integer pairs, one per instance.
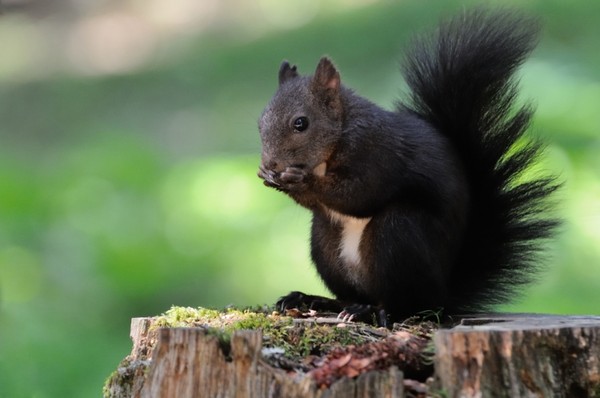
{"points": [[424, 207]]}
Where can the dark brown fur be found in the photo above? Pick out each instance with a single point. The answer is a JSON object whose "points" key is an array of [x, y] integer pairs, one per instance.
{"points": [[430, 186]]}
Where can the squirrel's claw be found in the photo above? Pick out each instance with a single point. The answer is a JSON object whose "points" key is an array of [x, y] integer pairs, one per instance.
{"points": [[365, 313], [268, 177]]}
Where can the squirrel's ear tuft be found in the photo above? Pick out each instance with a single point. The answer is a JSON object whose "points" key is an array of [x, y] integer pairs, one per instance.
{"points": [[326, 76], [286, 72]]}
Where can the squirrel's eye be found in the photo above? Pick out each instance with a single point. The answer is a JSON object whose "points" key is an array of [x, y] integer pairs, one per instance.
{"points": [[301, 123]]}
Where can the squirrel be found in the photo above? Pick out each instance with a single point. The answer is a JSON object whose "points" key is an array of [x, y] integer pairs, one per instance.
{"points": [[425, 207]]}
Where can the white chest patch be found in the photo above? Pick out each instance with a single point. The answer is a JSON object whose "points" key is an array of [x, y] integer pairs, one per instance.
{"points": [[352, 231]]}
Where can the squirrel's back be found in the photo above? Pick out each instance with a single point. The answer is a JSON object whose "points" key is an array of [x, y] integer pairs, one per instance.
{"points": [[462, 82]]}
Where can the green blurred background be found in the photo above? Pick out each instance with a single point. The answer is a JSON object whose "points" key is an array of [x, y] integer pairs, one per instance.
{"points": [[129, 150]]}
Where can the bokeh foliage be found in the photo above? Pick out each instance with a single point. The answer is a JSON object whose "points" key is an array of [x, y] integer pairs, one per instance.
{"points": [[124, 193]]}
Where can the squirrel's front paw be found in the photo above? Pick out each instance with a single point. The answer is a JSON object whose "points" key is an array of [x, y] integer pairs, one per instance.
{"points": [[292, 175], [292, 178], [269, 177]]}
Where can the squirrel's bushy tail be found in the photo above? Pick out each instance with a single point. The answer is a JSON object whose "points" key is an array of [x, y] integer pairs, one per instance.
{"points": [[462, 82]]}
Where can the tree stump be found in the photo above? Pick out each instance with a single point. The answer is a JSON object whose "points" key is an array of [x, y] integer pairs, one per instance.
{"points": [[519, 355], [501, 355]]}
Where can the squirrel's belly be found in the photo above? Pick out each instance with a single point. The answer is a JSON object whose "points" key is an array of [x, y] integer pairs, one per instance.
{"points": [[352, 232]]}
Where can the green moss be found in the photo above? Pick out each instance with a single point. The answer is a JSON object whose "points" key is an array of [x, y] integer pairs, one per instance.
{"points": [[229, 319], [120, 382], [297, 340], [303, 340], [108, 383], [428, 354], [185, 317], [252, 321]]}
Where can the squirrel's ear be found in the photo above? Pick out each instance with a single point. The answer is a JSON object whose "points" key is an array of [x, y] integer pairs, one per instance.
{"points": [[326, 76], [326, 85], [286, 72]]}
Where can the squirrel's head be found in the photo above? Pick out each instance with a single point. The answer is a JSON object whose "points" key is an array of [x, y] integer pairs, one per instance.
{"points": [[303, 121]]}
